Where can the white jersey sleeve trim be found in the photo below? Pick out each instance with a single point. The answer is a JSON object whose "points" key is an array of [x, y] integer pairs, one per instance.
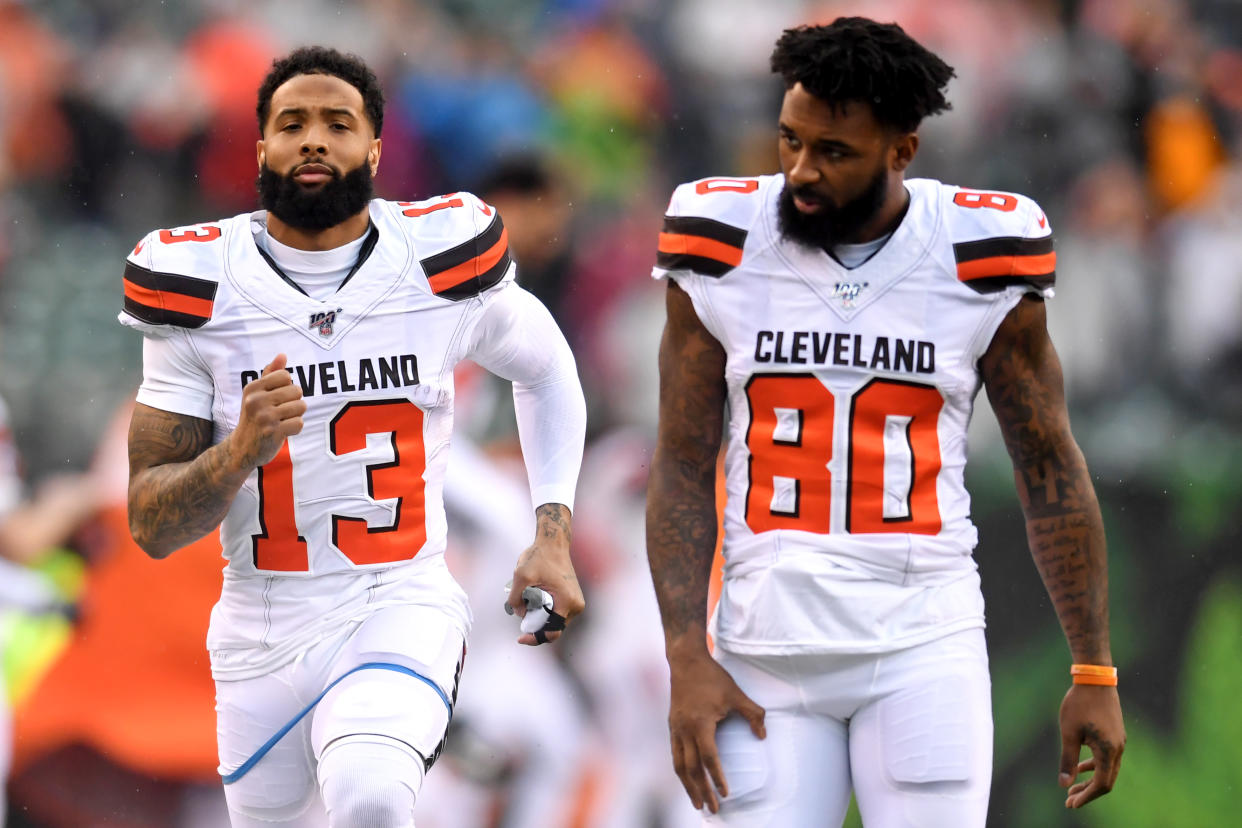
{"points": [[174, 378], [517, 339]]}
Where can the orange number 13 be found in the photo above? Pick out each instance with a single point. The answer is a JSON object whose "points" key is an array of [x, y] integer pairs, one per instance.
{"points": [[279, 547], [892, 433]]}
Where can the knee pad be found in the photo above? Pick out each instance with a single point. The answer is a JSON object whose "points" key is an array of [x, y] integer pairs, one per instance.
{"points": [[370, 780], [408, 710]]}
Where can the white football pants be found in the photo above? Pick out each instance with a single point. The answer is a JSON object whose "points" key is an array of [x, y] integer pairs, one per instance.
{"points": [[363, 747], [909, 732]]}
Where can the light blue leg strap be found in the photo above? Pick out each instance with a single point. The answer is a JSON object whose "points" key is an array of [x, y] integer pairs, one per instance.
{"points": [[230, 778]]}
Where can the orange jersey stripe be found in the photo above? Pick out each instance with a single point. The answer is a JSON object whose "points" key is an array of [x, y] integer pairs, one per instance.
{"points": [[475, 267], [1008, 266], [677, 243], [168, 301]]}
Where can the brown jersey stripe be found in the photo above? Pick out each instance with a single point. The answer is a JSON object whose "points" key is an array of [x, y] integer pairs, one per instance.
{"points": [[170, 282], [701, 245], [475, 285], [1001, 246], [697, 264], [717, 231], [995, 284], [465, 252], [1025, 266], [684, 245], [162, 300], [473, 267], [168, 298]]}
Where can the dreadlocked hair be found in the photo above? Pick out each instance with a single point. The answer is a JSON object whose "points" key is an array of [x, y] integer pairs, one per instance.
{"points": [[857, 59], [322, 60]]}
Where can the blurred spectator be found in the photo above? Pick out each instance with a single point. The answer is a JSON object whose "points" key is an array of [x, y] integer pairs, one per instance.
{"points": [[32, 62], [1103, 318], [1202, 299], [127, 705], [537, 211], [29, 530]]}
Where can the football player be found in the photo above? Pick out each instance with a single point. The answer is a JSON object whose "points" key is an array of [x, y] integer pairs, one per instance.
{"points": [[845, 318], [298, 391]]}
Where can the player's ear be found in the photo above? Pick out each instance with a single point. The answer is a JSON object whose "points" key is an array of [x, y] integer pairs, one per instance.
{"points": [[262, 156], [373, 156], [905, 147]]}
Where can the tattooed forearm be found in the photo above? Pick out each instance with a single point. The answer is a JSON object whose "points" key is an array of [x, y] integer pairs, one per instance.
{"points": [[553, 522], [681, 492], [179, 488], [681, 538], [1063, 523], [1069, 554]]}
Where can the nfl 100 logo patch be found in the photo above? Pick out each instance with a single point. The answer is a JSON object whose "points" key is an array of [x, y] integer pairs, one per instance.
{"points": [[323, 320], [847, 293]]}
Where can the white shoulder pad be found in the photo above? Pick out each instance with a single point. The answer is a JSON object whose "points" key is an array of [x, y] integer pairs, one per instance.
{"points": [[171, 278], [706, 225], [999, 239], [460, 242]]}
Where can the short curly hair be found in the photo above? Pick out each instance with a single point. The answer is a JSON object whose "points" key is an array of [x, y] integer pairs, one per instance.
{"points": [[321, 60], [857, 59]]}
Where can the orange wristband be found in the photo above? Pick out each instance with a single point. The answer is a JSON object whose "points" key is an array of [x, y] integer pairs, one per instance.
{"points": [[1094, 674]]}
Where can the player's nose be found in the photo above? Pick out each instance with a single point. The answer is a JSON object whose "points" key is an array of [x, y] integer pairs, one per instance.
{"points": [[802, 171], [314, 140]]}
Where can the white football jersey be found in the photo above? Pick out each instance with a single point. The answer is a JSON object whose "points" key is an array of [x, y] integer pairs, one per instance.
{"points": [[847, 526], [349, 516]]}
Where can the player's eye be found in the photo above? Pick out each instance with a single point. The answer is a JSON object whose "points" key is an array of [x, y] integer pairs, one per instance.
{"points": [[292, 126]]}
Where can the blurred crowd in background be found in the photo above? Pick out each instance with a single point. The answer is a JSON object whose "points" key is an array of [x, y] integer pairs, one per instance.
{"points": [[576, 118]]}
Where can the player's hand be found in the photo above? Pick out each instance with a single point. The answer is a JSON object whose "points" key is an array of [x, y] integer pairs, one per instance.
{"points": [[1091, 716], [546, 564], [271, 411], [703, 694]]}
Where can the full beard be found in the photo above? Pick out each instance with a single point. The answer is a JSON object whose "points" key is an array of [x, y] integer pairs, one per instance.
{"points": [[318, 209], [830, 225]]}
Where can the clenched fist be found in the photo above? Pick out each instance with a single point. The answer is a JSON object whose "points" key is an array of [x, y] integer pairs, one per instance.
{"points": [[271, 410]]}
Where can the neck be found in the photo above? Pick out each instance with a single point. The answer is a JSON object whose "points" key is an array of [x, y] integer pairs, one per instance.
{"points": [[349, 230], [886, 218]]}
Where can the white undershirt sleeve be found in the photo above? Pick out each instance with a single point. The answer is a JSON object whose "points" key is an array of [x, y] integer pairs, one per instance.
{"points": [[174, 378], [517, 339]]}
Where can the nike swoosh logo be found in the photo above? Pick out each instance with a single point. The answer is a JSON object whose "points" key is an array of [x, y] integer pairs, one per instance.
{"points": [[486, 210], [138, 248], [1043, 221]]}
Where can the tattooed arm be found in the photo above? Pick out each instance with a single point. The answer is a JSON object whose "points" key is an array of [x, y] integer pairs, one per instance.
{"points": [[1064, 529], [179, 487], [681, 539]]}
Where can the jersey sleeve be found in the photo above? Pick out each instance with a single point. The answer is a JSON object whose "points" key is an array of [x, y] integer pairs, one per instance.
{"points": [[162, 282], [517, 339], [174, 378], [1001, 240], [706, 226], [462, 244]]}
